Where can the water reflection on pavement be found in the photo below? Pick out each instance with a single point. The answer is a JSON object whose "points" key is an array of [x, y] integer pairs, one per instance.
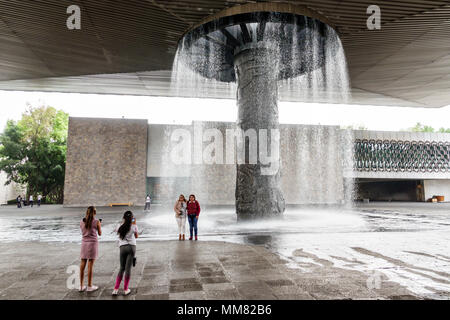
{"points": [[409, 243]]}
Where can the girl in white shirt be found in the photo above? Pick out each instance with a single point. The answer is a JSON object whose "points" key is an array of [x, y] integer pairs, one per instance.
{"points": [[180, 215], [127, 232]]}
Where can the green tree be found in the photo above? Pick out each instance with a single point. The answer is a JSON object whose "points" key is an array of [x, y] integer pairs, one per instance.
{"points": [[33, 151], [424, 128], [421, 128]]}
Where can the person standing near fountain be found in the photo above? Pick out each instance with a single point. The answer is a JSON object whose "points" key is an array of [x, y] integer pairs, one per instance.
{"points": [[90, 228], [128, 233], [19, 201], [148, 201], [193, 211], [180, 215]]}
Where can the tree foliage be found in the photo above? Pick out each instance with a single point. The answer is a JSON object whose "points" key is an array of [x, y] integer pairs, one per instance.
{"points": [[33, 151], [424, 128]]}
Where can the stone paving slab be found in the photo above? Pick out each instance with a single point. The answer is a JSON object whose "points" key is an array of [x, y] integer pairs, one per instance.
{"points": [[181, 270]]}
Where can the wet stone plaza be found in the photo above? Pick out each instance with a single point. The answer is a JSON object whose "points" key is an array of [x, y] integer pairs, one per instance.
{"points": [[373, 251]]}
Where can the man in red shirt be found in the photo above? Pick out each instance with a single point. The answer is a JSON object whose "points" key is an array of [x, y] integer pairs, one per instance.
{"points": [[193, 211]]}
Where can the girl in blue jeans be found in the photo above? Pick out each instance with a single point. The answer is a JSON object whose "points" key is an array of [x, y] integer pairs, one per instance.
{"points": [[193, 211]]}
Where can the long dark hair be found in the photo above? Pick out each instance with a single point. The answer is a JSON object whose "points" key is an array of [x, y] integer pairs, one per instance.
{"points": [[192, 195], [126, 226], [90, 213]]}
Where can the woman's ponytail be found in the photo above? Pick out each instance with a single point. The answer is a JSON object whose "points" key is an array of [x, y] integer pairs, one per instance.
{"points": [[126, 226]]}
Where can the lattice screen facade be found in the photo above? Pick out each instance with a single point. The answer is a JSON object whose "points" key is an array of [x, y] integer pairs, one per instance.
{"points": [[401, 156]]}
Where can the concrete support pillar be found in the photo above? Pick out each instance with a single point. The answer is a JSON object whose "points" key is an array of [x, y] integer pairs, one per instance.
{"points": [[258, 191]]}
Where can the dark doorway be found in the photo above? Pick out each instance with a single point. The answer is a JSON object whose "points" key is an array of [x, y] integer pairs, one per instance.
{"points": [[390, 190]]}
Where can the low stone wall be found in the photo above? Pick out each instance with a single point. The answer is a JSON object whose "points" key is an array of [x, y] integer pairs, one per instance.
{"points": [[106, 162]]}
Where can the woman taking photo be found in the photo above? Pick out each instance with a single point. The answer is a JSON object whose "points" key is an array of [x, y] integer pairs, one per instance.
{"points": [[193, 211], [90, 228], [180, 215], [127, 232]]}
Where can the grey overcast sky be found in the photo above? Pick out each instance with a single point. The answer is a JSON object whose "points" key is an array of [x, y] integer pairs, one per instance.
{"points": [[182, 110]]}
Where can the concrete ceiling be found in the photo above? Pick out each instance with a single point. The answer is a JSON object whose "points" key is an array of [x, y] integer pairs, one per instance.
{"points": [[127, 46]]}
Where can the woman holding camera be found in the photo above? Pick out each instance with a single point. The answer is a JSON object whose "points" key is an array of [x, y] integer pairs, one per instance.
{"points": [[127, 233], [90, 228], [180, 215]]}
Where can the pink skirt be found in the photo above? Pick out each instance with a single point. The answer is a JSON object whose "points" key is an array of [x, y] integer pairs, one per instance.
{"points": [[89, 250]]}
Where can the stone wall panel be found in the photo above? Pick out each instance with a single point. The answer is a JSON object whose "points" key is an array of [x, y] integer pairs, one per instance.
{"points": [[106, 162]]}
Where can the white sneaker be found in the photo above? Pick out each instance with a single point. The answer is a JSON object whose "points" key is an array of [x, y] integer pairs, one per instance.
{"points": [[82, 289], [115, 292], [127, 292], [92, 289]]}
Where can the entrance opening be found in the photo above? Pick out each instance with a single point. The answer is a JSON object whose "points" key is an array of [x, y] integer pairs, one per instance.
{"points": [[390, 190]]}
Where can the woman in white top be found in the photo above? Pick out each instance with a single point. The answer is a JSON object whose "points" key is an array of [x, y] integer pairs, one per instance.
{"points": [[180, 215], [127, 232]]}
